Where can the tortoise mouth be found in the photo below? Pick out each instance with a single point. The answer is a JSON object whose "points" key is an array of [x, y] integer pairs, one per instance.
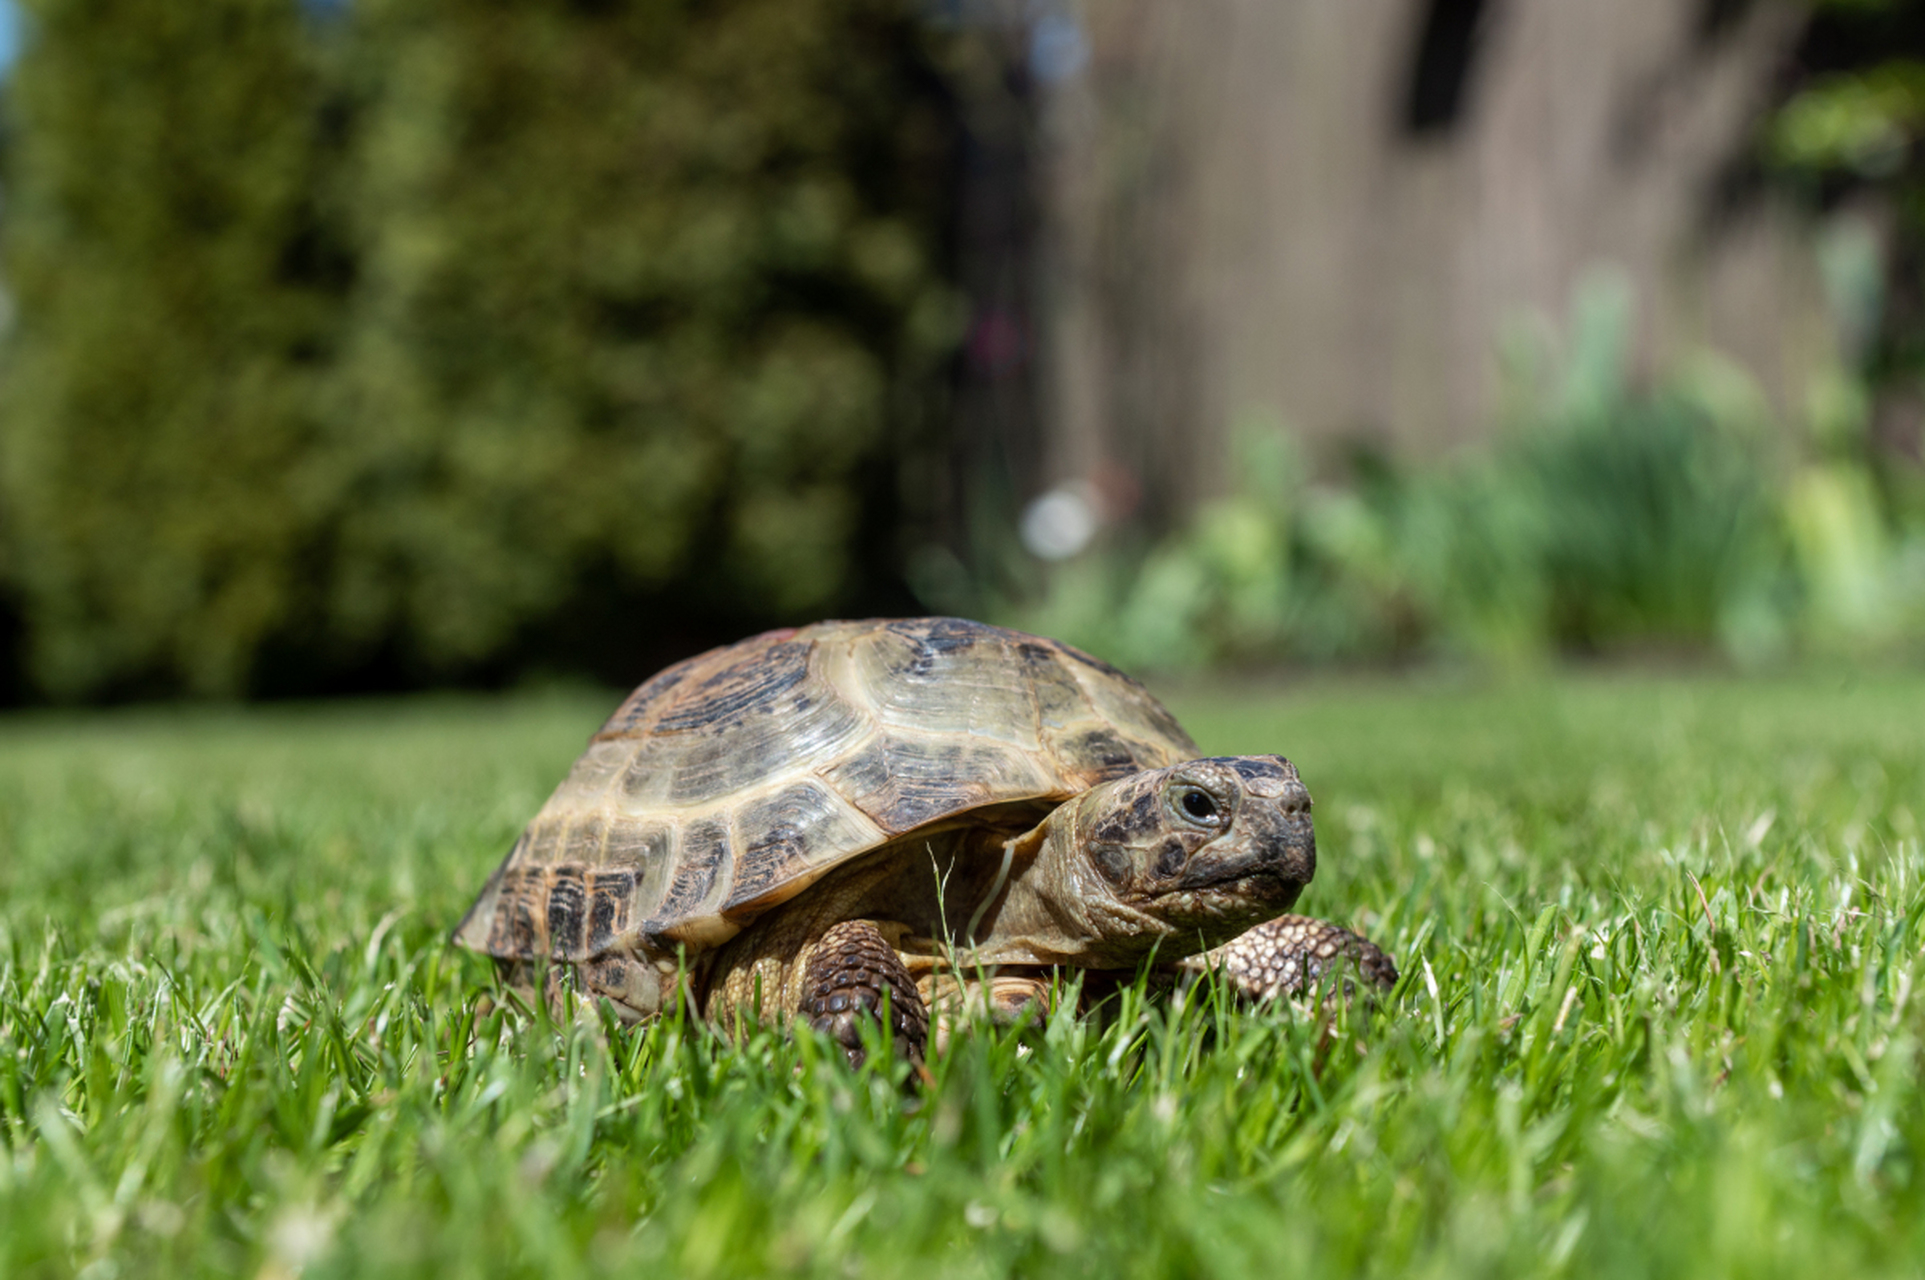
{"points": [[1229, 900], [1274, 869], [1260, 882]]}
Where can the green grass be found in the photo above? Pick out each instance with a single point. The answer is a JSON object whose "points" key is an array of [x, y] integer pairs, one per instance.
{"points": [[1660, 938]]}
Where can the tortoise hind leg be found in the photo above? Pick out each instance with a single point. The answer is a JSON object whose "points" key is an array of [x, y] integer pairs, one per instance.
{"points": [[848, 975], [1293, 954], [1005, 998]]}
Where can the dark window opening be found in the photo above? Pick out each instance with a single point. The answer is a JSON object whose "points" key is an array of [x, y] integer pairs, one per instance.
{"points": [[1440, 73]]}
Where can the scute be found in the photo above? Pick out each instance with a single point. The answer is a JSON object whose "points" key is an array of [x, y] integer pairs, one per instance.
{"points": [[564, 911], [703, 871], [751, 685], [903, 782], [790, 838], [728, 783], [957, 686]]}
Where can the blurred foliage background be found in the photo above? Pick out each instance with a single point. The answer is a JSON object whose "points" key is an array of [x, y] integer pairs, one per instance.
{"points": [[1677, 519], [412, 340], [367, 344]]}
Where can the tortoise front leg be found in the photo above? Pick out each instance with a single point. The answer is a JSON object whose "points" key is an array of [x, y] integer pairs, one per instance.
{"points": [[846, 975], [1291, 955]]}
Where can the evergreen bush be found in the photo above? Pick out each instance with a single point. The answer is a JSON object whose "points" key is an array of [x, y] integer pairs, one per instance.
{"points": [[643, 287], [168, 337], [389, 333]]}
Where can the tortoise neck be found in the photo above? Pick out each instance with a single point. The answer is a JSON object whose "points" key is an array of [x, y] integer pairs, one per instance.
{"points": [[1050, 907]]}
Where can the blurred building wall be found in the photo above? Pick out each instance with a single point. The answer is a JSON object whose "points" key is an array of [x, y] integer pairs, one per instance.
{"points": [[1326, 213]]}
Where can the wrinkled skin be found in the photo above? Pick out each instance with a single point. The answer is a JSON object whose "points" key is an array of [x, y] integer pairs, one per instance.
{"points": [[1173, 861]]}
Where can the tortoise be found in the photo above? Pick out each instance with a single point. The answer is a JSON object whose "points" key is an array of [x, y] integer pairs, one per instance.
{"points": [[904, 815]]}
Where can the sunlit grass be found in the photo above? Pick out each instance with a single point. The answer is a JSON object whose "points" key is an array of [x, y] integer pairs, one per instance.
{"points": [[1660, 939]]}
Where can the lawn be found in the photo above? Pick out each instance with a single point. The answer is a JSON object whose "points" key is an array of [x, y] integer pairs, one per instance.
{"points": [[1661, 939]]}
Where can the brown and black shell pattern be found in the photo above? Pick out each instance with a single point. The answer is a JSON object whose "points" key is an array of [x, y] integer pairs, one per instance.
{"points": [[731, 782]]}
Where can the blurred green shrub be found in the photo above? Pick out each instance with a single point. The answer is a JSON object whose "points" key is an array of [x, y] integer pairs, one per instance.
{"points": [[1862, 122], [1603, 518], [392, 332], [642, 286], [159, 387], [1847, 138]]}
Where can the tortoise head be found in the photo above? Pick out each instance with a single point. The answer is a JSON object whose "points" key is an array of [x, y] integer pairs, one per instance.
{"points": [[1178, 859], [1209, 844]]}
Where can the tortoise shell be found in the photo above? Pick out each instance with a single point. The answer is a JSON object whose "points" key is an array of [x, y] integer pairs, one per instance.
{"points": [[729, 783]]}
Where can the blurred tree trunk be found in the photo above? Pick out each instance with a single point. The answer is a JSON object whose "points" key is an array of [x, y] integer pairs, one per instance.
{"points": [[1327, 214]]}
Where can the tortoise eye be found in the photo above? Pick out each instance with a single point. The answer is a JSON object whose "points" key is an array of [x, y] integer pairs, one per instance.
{"points": [[1199, 805]]}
